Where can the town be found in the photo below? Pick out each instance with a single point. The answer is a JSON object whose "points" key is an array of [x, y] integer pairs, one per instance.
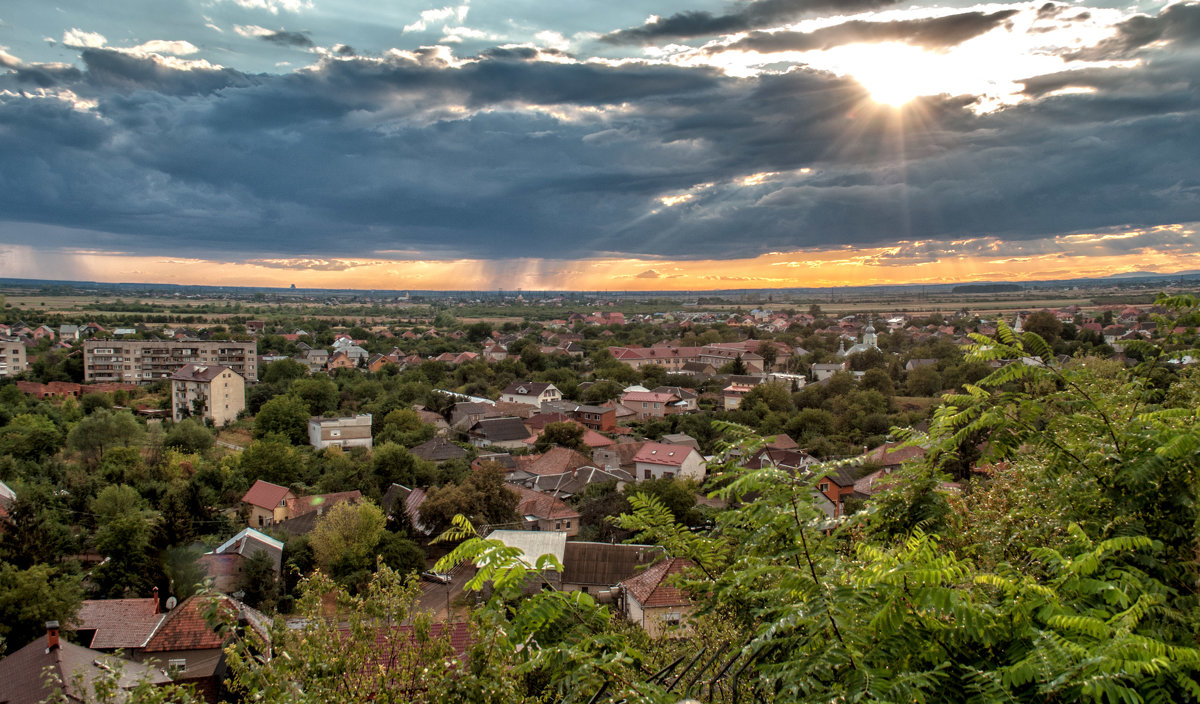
{"points": [[147, 466]]}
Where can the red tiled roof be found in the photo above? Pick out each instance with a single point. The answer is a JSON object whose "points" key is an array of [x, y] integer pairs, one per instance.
{"points": [[660, 453], [649, 587], [308, 504], [265, 495], [892, 453], [535, 503], [648, 397], [185, 628], [119, 623], [556, 460]]}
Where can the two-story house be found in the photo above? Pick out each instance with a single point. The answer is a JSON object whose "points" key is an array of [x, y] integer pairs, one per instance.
{"points": [[534, 393]]}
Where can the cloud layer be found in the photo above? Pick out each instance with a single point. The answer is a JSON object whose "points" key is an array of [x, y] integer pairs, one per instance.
{"points": [[164, 147]]}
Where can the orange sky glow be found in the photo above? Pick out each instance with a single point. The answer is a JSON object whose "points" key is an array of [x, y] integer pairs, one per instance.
{"points": [[983, 259]]}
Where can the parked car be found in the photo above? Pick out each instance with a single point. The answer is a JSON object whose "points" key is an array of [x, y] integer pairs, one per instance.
{"points": [[439, 577]]}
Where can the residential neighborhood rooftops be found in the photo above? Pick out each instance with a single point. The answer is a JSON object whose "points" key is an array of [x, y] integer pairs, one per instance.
{"points": [[23, 673], [500, 429]]}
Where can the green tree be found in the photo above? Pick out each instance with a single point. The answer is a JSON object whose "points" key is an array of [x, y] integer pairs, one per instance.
{"points": [[31, 597], [345, 538], [319, 393], [482, 496], [286, 416], [282, 370], [30, 436], [272, 459], [123, 537], [259, 583], [103, 429], [565, 434], [394, 464], [189, 435]]}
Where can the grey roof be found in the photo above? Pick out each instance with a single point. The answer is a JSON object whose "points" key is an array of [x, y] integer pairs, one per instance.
{"points": [[534, 543], [603, 564], [249, 542], [439, 450], [500, 429], [199, 372]]}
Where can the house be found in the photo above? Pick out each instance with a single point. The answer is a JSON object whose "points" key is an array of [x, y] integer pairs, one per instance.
{"points": [[731, 396], [268, 503], [599, 418], [505, 433], [649, 404], [68, 332], [687, 397], [352, 431], [23, 674], [226, 563], [533, 544], [534, 393], [571, 482], [254, 327], [619, 456], [316, 359], [43, 331], [791, 460], [597, 568], [556, 460], [439, 449], [658, 460], [187, 646], [112, 624], [545, 512], [838, 486], [918, 363], [651, 601], [340, 360], [13, 359], [822, 371], [215, 393]]}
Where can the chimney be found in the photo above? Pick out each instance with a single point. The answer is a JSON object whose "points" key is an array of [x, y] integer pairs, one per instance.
{"points": [[156, 606], [51, 635]]}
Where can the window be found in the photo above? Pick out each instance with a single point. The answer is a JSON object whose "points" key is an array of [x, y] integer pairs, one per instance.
{"points": [[177, 664], [824, 486]]}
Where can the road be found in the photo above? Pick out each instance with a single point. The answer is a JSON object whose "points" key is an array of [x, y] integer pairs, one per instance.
{"points": [[435, 597]]}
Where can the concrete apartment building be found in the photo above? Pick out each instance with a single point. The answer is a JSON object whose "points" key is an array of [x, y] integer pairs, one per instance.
{"points": [[12, 356], [353, 431], [218, 394], [144, 361]]}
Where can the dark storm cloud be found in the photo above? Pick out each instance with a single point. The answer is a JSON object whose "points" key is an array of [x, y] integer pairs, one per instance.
{"points": [[115, 70], [755, 15], [285, 38], [931, 33], [1176, 24], [512, 156]]}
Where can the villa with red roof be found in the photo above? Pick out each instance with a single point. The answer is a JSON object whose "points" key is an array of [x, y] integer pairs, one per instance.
{"points": [[656, 460]]}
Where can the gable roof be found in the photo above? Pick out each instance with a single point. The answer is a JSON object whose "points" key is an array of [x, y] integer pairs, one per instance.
{"points": [[265, 495], [661, 453], [526, 388], [439, 449], [248, 542], [23, 681], [186, 628], [649, 587], [500, 429], [119, 623], [557, 460], [605, 564], [540, 505]]}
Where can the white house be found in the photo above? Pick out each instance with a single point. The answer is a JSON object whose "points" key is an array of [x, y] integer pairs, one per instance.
{"points": [[534, 393], [344, 432], [657, 460]]}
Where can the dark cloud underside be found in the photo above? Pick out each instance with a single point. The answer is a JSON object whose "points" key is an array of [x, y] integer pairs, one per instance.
{"points": [[755, 15]]}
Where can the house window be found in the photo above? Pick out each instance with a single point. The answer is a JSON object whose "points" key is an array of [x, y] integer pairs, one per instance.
{"points": [[649, 475], [824, 486], [177, 664]]}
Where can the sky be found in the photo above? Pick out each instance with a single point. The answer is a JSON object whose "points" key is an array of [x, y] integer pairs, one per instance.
{"points": [[586, 145]]}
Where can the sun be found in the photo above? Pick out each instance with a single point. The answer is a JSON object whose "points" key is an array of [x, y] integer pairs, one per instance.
{"points": [[892, 73]]}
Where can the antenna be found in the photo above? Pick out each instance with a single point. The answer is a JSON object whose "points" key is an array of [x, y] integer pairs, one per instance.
{"points": [[171, 602]]}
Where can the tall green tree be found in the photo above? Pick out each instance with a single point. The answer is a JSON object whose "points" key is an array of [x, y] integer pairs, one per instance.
{"points": [[286, 416]]}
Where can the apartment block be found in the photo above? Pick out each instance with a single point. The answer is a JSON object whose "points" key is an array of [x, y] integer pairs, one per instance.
{"points": [[216, 394], [12, 356], [144, 361]]}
